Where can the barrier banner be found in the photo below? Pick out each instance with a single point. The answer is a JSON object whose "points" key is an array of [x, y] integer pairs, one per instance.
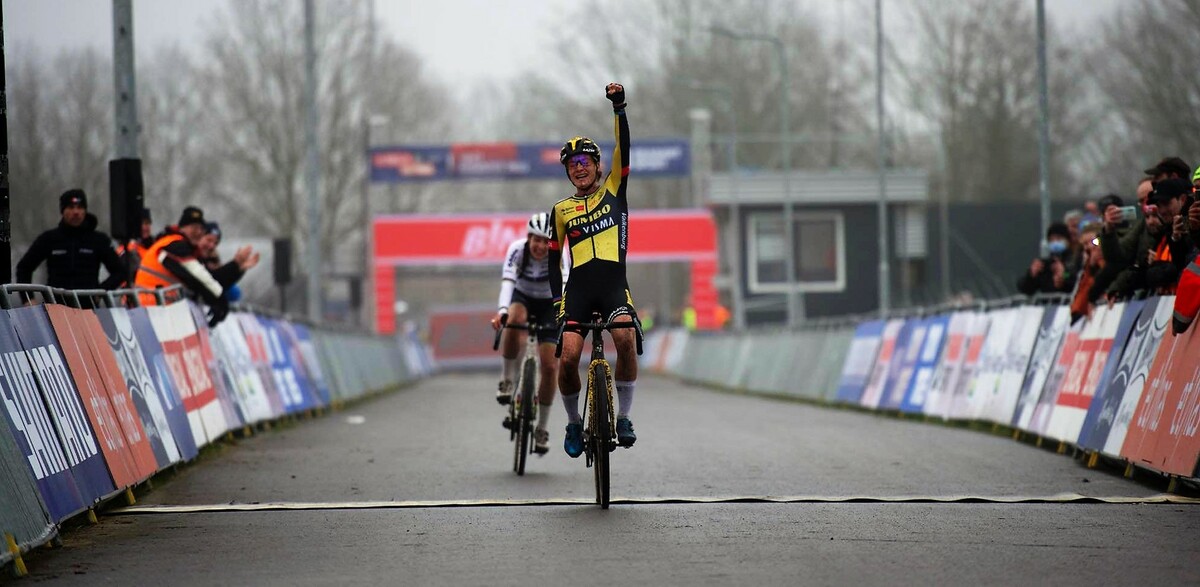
{"points": [[22, 512], [1075, 395], [32, 428], [864, 348], [985, 384], [1163, 433], [75, 433], [926, 364], [256, 343], [302, 339], [181, 349], [222, 380], [1045, 352], [949, 365], [977, 332], [147, 401], [883, 363], [295, 397], [1092, 434], [1049, 393], [1140, 353], [1016, 363], [908, 346], [677, 350], [229, 343], [163, 379], [110, 409]]}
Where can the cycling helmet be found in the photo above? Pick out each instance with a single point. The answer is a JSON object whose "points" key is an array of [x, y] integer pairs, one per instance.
{"points": [[579, 146], [539, 224]]}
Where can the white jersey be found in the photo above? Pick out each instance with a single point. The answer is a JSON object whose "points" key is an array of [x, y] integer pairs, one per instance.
{"points": [[532, 280]]}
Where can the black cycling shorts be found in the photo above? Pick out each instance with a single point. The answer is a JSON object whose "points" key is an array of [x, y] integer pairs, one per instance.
{"points": [[580, 302], [540, 312]]}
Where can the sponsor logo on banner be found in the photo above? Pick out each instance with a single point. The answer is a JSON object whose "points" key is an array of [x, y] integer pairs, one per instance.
{"points": [[960, 398], [97, 403], [1049, 392], [1015, 363], [1079, 387], [883, 364], [904, 362], [949, 366], [181, 350], [926, 366], [308, 351], [1103, 407], [71, 422], [118, 333], [164, 382], [222, 381], [985, 384], [257, 347], [1045, 354], [864, 348], [1140, 354], [296, 396]]}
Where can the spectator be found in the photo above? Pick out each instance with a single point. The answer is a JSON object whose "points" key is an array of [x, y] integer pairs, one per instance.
{"points": [[230, 273], [131, 252], [1104, 278], [1091, 214], [1169, 168], [173, 259], [1092, 268], [1072, 219], [1051, 273], [1148, 256], [73, 251]]}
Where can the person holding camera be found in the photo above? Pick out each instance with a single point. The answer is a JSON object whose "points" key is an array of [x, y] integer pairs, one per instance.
{"points": [[1055, 271], [1156, 247]]}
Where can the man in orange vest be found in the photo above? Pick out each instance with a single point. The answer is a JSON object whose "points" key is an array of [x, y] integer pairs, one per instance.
{"points": [[172, 259], [132, 251]]}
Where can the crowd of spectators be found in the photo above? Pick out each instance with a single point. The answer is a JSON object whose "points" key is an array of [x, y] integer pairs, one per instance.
{"points": [[1110, 251], [185, 253]]}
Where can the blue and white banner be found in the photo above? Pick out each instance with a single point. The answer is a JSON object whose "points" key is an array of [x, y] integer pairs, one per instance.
{"points": [[410, 163], [926, 365], [296, 398], [302, 343], [147, 398], [1045, 353], [75, 433], [1140, 353], [164, 383], [859, 361], [32, 427], [904, 363]]}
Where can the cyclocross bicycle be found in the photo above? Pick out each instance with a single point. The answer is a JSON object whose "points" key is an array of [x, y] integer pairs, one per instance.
{"points": [[599, 432], [522, 412]]}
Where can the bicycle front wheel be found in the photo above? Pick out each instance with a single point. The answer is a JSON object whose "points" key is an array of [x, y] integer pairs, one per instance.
{"points": [[601, 432], [524, 417]]}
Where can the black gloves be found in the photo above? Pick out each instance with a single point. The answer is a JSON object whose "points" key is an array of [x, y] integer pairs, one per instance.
{"points": [[616, 94], [217, 312]]}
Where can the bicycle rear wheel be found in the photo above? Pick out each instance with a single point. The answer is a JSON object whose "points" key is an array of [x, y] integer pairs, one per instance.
{"points": [[524, 418], [601, 433]]}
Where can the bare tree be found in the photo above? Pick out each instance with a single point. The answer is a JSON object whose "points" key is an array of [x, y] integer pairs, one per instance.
{"points": [[968, 72], [252, 77], [1144, 64], [60, 135]]}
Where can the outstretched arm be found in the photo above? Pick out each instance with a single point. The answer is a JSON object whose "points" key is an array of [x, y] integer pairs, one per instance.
{"points": [[620, 161]]}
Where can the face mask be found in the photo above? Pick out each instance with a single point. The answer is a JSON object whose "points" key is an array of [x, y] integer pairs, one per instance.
{"points": [[1056, 247]]}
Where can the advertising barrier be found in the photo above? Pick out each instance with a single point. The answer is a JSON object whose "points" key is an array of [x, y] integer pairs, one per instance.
{"points": [[1142, 351], [22, 513], [856, 371], [1045, 355], [164, 382], [1108, 366], [926, 364], [181, 349]]}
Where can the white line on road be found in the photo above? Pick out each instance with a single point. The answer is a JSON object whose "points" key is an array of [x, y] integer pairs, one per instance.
{"points": [[1076, 498]]}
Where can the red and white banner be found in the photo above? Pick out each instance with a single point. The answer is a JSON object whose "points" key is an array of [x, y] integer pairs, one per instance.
{"points": [[1083, 376], [1165, 430], [181, 349], [473, 239]]}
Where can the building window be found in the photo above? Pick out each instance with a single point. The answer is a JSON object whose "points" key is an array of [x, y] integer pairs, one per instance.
{"points": [[820, 258]]}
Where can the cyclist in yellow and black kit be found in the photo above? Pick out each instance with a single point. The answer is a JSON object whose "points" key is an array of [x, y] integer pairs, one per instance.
{"points": [[594, 223]]}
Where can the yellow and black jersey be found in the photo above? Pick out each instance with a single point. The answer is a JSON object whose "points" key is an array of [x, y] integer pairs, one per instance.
{"points": [[595, 227]]}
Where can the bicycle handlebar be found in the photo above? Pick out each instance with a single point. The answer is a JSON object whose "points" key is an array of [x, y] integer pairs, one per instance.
{"points": [[583, 327], [532, 328]]}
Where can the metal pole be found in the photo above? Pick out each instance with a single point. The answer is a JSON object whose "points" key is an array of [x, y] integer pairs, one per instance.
{"points": [[313, 167], [735, 218], [368, 277], [5, 225], [795, 309], [944, 220], [1044, 123], [882, 215], [124, 80]]}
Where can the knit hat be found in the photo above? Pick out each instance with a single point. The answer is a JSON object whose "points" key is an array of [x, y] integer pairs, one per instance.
{"points": [[1058, 229], [214, 229], [191, 215], [74, 197]]}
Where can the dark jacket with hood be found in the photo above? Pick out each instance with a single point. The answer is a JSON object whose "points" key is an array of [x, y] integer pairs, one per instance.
{"points": [[73, 255]]}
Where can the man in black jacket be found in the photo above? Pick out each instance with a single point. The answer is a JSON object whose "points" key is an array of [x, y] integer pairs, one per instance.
{"points": [[73, 251]]}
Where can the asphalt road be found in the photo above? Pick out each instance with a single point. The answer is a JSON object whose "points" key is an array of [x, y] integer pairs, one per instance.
{"points": [[441, 441]]}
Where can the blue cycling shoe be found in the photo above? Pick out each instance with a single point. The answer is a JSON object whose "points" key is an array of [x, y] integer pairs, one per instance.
{"points": [[625, 435], [573, 443]]}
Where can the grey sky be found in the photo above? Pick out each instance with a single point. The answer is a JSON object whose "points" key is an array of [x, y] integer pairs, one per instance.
{"points": [[464, 42]]}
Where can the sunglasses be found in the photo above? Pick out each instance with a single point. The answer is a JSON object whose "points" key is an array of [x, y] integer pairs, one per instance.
{"points": [[578, 161]]}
